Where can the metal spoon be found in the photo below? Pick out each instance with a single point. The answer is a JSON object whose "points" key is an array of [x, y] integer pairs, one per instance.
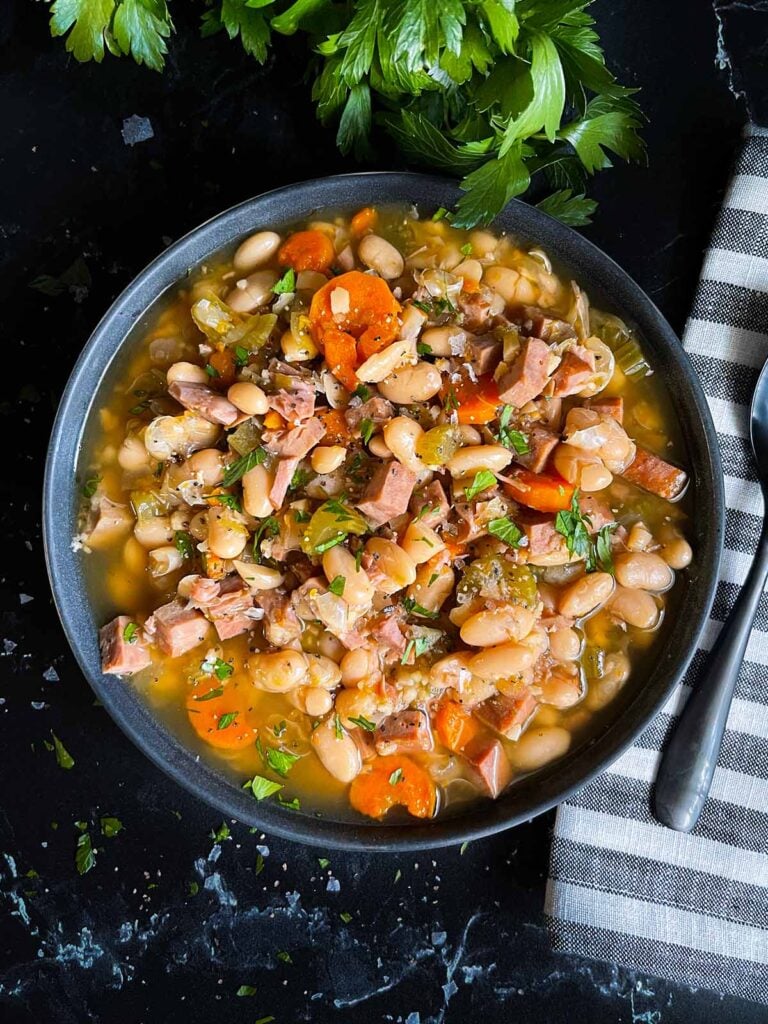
{"points": [[688, 764]]}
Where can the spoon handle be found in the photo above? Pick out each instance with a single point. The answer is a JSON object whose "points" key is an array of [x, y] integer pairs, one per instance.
{"points": [[688, 764]]}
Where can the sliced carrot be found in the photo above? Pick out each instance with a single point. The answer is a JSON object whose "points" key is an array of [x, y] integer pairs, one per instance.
{"points": [[221, 720], [371, 303], [376, 337], [454, 725], [223, 362], [546, 492], [341, 356], [364, 221], [393, 780], [476, 401], [336, 427], [273, 420], [307, 250]]}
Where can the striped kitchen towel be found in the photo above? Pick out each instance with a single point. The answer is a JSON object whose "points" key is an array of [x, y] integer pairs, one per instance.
{"points": [[622, 887]]}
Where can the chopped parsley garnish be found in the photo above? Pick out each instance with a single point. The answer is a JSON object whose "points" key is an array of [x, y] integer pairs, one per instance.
{"points": [[299, 479], [300, 516], [323, 862], [414, 608], [85, 855], [345, 916], [221, 833], [417, 646], [287, 283], [507, 531], [337, 585], [237, 469], [466, 250], [280, 761], [268, 528], [110, 827], [436, 306], [217, 691], [359, 559], [483, 480], [230, 500], [362, 392], [259, 866], [265, 1020], [211, 370], [130, 633], [423, 349], [603, 551], [183, 544], [450, 402], [291, 805], [139, 408], [261, 788], [338, 727], [424, 510], [279, 729], [396, 776], [222, 669], [574, 527], [241, 355], [90, 486], [439, 213], [367, 428], [364, 723], [432, 578], [326, 545], [511, 438], [227, 719], [284, 957], [246, 990], [63, 758]]}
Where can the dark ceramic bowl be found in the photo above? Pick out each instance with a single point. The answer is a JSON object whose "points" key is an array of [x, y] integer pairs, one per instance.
{"points": [[97, 368]]}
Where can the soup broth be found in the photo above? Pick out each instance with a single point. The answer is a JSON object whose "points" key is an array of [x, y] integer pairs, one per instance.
{"points": [[384, 516]]}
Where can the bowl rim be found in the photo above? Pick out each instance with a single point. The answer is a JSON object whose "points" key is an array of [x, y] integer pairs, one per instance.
{"points": [[126, 706]]}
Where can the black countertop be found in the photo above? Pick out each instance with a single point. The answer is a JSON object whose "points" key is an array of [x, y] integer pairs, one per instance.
{"points": [[169, 924]]}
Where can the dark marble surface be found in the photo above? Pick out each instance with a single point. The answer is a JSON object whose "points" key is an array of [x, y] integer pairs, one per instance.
{"points": [[442, 937]]}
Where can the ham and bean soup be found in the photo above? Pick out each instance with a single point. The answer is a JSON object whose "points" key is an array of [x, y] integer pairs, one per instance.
{"points": [[389, 514]]}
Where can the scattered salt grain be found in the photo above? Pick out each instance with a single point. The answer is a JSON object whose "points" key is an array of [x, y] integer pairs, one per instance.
{"points": [[137, 129], [51, 675]]}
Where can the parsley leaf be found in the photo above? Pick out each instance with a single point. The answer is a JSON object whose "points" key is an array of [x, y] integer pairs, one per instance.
{"points": [[183, 543], [396, 776], [89, 487], [367, 428], [269, 527], [603, 550], [222, 669], [482, 481], [287, 283], [362, 392], [511, 438], [63, 758], [507, 531], [337, 585], [237, 469], [414, 608], [217, 691], [246, 990], [280, 761], [364, 723], [261, 788], [573, 526], [110, 827], [85, 855], [227, 719], [574, 210], [130, 633]]}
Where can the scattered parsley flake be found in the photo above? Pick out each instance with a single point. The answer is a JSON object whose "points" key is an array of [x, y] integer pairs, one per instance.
{"points": [[466, 250], [414, 608], [63, 758], [291, 805], [227, 719], [222, 832], [287, 283], [246, 990], [217, 691], [259, 867], [211, 371], [280, 761], [396, 777], [284, 957], [110, 827], [507, 531], [237, 469], [345, 916], [90, 486], [364, 723], [261, 788], [362, 392], [323, 862], [129, 633], [423, 349], [338, 727], [337, 585], [85, 855], [183, 544], [367, 428], [482, 481]]}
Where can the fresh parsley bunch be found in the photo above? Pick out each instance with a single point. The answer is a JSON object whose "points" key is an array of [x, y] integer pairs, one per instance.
{"points": [[497, 91]]}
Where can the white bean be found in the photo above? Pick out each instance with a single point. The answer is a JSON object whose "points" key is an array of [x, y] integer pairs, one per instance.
{"points": [[503, 661], [258, 577], [412, 384], [249, 398], [379, 447], [392, 567], [358, 665], [277, 671], [538, 746], [433, 586], [189, 372], [227, 532], [677, 553], [421, 542], [644, 570], [339, 754], [635, 607], [586, 595], [494, 626], [255, 251], [257, 483], [358, 589], [401, 435], [317, 701], [252, 292], [327, 458], [380, 255], [473, 458], [445, 341], [164, 560], [503, 280], [153, 531], [382, 364]]}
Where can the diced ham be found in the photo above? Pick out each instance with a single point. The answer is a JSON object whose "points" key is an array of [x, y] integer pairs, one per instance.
{"points": [[490, 763], [543, 538], [596, 511], [541, 442], [527, 376], [297, 404], [389, 637], [612, 407], [388, 493], [228, 610], [204, 401], [377, 409], [283, 476], [433, 496], [296, 442], [121, 657], [112, 520], [405, 732], [574, 372], [484, 354], [549, 328], [282, 627], [477, 309], [655, 475], [507, 715], [177, 628], [202, 590]]}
